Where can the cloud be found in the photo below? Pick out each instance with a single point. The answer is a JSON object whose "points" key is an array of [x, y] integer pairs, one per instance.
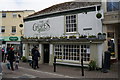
{"points": [[28, 4]]}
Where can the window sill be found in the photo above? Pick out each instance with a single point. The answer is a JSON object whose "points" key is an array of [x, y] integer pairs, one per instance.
{"points": [[13, 33], [2, 32], [71, 33]]}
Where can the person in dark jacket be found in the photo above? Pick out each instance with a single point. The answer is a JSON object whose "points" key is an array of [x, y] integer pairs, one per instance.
{"points": [[32, 52], [3, 54], [36, 56], [11, 57]]}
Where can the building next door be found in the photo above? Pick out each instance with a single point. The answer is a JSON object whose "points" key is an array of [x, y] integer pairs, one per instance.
{"points": [[46, 53], [118, 49]]}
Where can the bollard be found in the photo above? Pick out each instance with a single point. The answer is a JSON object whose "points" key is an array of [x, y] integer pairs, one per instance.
{"points": [[54, 64], [82, 66]]}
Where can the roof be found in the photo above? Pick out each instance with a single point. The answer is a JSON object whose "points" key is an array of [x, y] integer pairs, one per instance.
{"points": [[64, 6]]}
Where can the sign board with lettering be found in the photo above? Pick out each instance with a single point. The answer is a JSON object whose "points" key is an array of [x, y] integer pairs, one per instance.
{"points": [[13, 38]]}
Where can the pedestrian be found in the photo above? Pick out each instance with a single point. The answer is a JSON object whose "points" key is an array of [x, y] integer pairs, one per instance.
{"points": [[6, 51], [36, 56], [0, 54], [0, 60], [3, 54], [11, 57], [17, 58], [32, 52]]}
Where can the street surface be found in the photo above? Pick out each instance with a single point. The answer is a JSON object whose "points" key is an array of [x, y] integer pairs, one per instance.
{"points": [[29, 73], [46, 71]]}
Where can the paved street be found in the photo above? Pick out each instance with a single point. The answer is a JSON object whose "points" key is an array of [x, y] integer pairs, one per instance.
{"points": [[46, 71], [30, 73]]}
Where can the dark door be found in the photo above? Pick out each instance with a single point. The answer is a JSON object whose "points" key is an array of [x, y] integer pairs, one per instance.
{"points": [[46, 53]]}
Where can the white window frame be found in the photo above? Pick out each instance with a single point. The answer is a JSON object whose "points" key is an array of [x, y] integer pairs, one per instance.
{"points": [[2, 28], [12, 30], [71, 23], [60, 52]]}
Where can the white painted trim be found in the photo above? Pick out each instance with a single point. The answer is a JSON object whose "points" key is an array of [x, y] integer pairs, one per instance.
{"points": [[12, 42]]}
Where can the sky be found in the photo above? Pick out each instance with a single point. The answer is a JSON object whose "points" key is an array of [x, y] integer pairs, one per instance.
{"points": [[36, 5]]}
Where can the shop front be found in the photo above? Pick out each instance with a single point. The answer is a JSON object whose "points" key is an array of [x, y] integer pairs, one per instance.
{"points": [[67, 51], [12, 41], [69, 35]]}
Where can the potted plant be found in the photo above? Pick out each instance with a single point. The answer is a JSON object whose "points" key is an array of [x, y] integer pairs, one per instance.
{"points": [[55, 38], [63, 37], [82, 36], [91, 36], [99, 35], [92, 65], [73, 36], [104, 35], [48, 37], [24, 59]]}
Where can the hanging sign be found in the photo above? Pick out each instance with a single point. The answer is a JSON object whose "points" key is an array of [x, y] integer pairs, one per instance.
{"points": [[13, 38]]}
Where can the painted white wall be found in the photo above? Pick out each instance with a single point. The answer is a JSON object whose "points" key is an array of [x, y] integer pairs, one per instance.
{"points": [[100, 54], [56, 27], [0, 24], [88, 20]]}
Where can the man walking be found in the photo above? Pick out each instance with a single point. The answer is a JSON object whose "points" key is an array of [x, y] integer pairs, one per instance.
{"points": [[11, 58], [0, 63], [36, 56]]}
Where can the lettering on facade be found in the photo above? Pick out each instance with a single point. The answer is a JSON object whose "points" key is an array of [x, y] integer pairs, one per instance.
{"points": [[41, 26]]}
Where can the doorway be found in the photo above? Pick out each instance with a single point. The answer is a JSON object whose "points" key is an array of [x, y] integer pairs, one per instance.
{"points": [[46, 53]]}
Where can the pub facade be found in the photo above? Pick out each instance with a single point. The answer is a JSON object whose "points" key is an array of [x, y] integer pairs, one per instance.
{"points": [[69, 33]]}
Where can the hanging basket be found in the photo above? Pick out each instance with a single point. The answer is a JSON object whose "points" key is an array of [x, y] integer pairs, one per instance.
{"points": [[98, 15]]}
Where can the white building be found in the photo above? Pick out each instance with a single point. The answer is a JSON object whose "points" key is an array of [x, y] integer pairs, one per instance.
{"points": [[59, 31]]}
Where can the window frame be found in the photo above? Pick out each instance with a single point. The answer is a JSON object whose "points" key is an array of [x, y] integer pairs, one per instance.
{"points": [[12, 30], [71, 23], [4, 15], [2, 29], [73, 49]]}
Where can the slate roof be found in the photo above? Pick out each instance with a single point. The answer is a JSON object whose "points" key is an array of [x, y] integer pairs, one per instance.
{"points": [[64, 6]]}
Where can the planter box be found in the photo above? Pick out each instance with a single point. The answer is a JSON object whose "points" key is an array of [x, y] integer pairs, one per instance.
{"points": [[101, 36]]}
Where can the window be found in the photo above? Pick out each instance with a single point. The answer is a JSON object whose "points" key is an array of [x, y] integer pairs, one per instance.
{"points": [[14, 15], [71, 25], [58, 51], [72, 52], [3, 15], [110, 34], [85, 52], [2, 29], [113, 6], [13, 29]]}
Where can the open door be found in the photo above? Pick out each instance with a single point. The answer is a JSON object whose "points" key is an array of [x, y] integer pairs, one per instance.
{"points": [[46, 53]]}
